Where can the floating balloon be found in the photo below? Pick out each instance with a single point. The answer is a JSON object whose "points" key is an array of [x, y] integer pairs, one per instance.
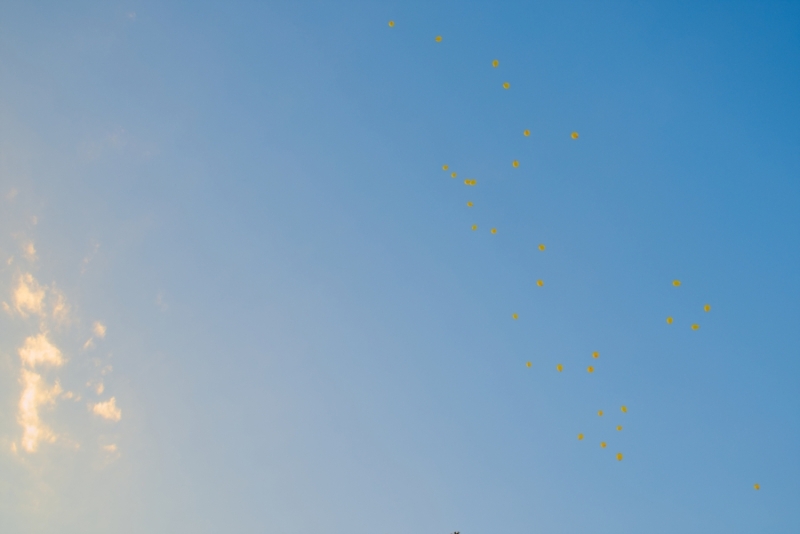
{"points": [[541, 247], [707, 307], [695, 326], [506, 85], [669, 320], [515, 164], [574, 135], [600, 413], [453, 175], [540, 283], [595, 355], [676, 283], [619, 456], [603, 444], [391, 24], [438, 38], [445, 167], [559, 367], [526, 133], [580, 436], [474, 226], [528, 364], [495, 63], [756, 487], [469, 204], [590, 369], [619, 428], [624, 409], [494, 230], [514, 316]]}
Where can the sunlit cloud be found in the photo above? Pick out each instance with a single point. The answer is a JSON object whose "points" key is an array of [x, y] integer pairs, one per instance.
{"points": [[28, 296], [108, 410], [29, 251], [99, 329], [110, 448], [35, 395], [60, 307], [38, 350]]}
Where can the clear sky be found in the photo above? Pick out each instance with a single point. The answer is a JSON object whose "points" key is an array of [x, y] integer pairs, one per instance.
{"points": [[240, 294]]}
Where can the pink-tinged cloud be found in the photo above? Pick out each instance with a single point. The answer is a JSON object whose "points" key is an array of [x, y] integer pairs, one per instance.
{"points": [[108, 410], [28, 296], [35, 394], [39, 351]]}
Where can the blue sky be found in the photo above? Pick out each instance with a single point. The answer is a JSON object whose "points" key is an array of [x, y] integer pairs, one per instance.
{"points": [[240, 294]]}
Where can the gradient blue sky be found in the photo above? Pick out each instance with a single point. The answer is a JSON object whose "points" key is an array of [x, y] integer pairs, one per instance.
{"points": [[302, 333]]}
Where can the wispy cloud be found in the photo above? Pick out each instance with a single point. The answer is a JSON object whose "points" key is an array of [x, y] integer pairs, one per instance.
{"points": [[35, 394], [108, 410], [29, 251], [99, 329], [28, 296], [61, 311], [38, 350]]}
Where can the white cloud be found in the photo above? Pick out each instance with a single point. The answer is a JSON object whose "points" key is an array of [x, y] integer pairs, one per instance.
{"points": [[38, 350], [11, 195], [99, 329], [108, 410], [34, 395], [28, 296]]}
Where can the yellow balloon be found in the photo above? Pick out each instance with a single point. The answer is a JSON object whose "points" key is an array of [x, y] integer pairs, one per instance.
{"points": [[600, 413], [469, 204], [453, 175], [559, 367], [506, 85], [528, 364], [590, 369], [756, 487], [391, 24], [438, 38], [445, 167], [474, 226], [595, 355], [494, 230], [619, 456], [624, 409], [669, 320], [468, 182], [580, 436], [619, 428], [495, 63], [541, 247], [603, 444], [676, 283], [526, 133], [514, 316], [574, 135], [540, 283], [695, 326], [707, 307], [515, 164], [474, 182]]}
